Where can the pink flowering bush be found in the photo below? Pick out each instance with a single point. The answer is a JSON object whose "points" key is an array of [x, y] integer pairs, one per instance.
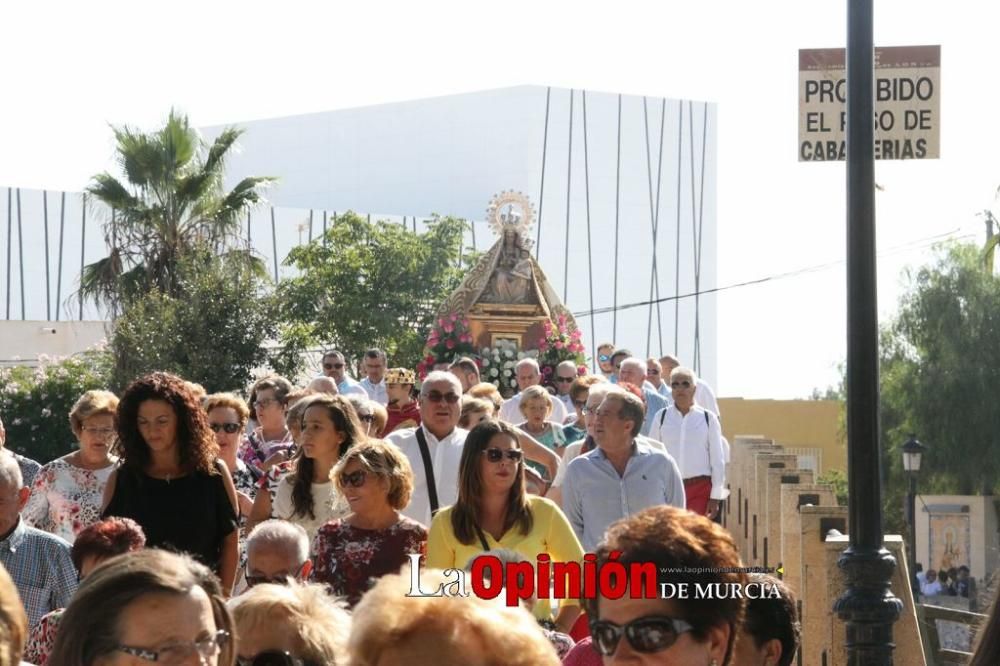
{"points": [[449, 339], [561, 343]]}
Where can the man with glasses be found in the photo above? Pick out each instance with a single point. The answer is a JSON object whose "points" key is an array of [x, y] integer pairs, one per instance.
{"points": [[565, 376], [277, 552], [528, 374], [335, 367], [703, 394], [604, 352], [374, 381], [620, 477], [693, 436], [633, 371], [434, 449]]}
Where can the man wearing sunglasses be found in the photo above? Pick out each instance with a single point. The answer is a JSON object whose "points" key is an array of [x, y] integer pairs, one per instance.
{"points": [[528, 374], [693, 435], [604, 352], [620, 477], [277, 552], [434, 449], [563, 380], [704, 396], [335, 367]]}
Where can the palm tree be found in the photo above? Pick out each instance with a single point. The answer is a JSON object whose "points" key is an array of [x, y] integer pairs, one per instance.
{"points": [[171, 206]]}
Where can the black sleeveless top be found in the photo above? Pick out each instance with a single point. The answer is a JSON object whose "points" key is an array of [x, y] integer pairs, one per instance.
{"points": [[191, 514]]}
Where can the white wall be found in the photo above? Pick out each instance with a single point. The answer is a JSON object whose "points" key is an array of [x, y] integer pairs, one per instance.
{"points": [[21, 342]]}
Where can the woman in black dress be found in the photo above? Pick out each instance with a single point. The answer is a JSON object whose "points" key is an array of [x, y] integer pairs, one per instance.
{"points": [[169, 478]]}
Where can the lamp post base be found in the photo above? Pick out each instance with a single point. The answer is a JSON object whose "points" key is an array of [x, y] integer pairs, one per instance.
{"points": [[868, 606]]}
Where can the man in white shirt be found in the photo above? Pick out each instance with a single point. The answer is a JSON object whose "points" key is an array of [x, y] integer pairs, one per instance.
{"points": [[528, 374], [693, 436], [704, 396], [440, 408], [374, 382]]}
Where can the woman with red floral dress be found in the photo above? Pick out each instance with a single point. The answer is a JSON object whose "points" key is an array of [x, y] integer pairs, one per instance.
{"points": [[374, 539]]}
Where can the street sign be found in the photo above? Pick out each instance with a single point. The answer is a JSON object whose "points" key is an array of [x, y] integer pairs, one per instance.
{"points": [[907, 103]]}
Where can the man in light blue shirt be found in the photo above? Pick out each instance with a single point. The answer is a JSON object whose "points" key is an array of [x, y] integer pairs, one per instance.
{"points": [[374, 381], [621, 476], [335, 367], [633, 371]]}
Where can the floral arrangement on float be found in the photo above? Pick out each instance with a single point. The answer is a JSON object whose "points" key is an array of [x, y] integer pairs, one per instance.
{"points": [[449, 339], [497, 365], [561, 343]]}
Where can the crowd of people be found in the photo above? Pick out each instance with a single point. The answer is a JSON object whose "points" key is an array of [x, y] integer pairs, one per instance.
{"points": [[188, 528]]}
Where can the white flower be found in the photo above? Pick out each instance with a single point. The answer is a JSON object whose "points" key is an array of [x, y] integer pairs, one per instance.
{"points": [[508, 353], [46, 412], [493, 372], [486, 362], [508, 365]]}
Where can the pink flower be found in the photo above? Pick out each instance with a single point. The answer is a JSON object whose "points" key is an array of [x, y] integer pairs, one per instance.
{"points": [[449, 343], [466, 337], [448, 328], [582, 370], [576, 334], [562, 319], [441, 322], [543, 345], [559, 344], [547, 370], [454, 318]]}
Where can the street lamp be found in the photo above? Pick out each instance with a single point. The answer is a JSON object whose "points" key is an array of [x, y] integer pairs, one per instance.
{"points": [[913, 452]]}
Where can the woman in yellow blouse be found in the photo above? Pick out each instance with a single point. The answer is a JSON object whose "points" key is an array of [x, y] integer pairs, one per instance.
{"points": [[494, 511]]}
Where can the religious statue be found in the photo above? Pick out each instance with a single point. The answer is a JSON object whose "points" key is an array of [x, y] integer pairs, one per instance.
{"points": [[512, 281]]}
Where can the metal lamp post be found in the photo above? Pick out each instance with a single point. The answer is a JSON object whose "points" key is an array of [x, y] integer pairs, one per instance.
{"points": [[867, 606], [913, 452]]}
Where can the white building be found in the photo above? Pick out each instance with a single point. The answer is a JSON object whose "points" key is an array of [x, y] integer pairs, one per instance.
{"points": [[609, 174]]}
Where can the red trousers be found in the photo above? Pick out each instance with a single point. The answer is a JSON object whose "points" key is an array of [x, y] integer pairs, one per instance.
{"points": [[697, 492]]}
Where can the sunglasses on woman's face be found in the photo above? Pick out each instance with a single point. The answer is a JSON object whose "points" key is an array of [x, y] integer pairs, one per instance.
{"points": [[495, 455], [355, 479], [645, 634], [273, 658], [230, 428]]}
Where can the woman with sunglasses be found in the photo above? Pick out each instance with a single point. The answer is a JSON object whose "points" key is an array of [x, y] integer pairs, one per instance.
{"points": [[374, 539], [227, 417], [494, 511], [681, 630], [304, 492], [66, 494]]}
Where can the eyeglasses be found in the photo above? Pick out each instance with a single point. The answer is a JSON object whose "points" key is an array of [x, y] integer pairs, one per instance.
{"points": [[652, 371], [645, 634], [230, 428], [681, 384], [179, 653], [355, 479], [437, 396], [278, 579], [367, 418], [265, 403], [565, 380], [101, 432], [273, 658], [495, 455], [333, 366], [603, 358]]}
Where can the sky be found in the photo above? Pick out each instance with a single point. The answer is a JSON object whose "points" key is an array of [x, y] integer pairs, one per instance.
{"points": [[68, 70]]}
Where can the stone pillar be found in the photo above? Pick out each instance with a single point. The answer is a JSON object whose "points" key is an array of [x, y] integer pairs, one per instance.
{"points": [[794, 496], [770, 546], [813, 591], [739, 473], [763, 462]]}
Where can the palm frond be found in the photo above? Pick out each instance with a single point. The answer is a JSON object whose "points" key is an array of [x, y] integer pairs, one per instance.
{"points": [[215, 161], [109, 190]]}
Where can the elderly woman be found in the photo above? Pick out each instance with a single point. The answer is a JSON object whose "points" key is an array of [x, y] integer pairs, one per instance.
{"points": [[169, 478], [93, 546], [390, 628], [494, 511], [305, 493], [148, 606], [374, 539], [290, 625], [536, 408], [67, 492], [681, 629], [227, 417], [270, 441]]}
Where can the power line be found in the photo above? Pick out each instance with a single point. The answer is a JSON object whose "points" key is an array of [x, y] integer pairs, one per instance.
{"points": [[910, 245]]}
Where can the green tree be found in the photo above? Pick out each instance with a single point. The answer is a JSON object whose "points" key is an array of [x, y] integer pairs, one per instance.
{"points": [[217, 333], [171, 204], [940, 369], [375, 284]]}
